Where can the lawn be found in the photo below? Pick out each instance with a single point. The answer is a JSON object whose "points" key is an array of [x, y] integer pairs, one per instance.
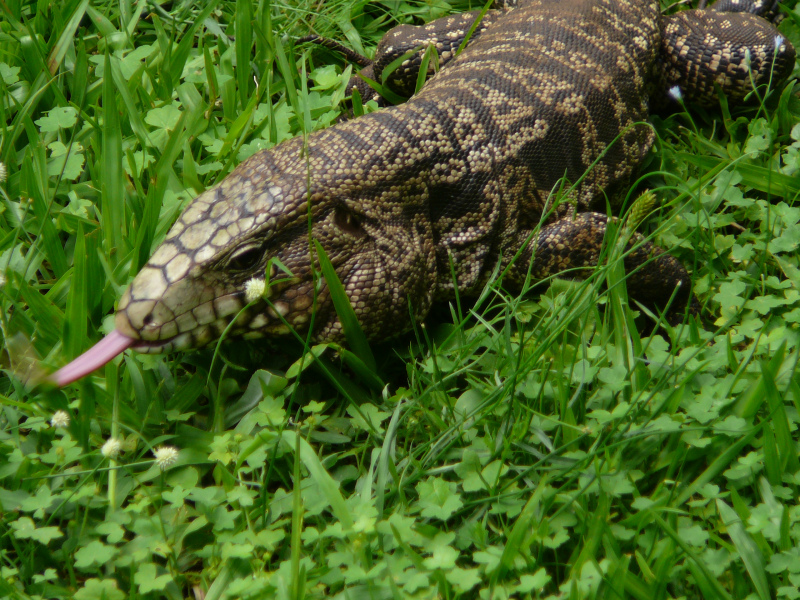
{"points": [[559, 443]]}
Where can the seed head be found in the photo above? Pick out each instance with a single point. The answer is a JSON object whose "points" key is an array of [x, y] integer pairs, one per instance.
{"points": [[111, 448], [60, 418], [165, 456], [254, 289]]}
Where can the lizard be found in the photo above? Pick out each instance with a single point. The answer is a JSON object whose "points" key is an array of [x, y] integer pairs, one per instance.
{"points": [[415, 202]]}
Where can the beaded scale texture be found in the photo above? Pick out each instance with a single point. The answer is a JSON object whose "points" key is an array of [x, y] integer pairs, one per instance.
{"points": [[458, 179]]}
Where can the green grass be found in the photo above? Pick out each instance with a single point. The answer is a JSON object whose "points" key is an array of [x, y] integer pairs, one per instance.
{"points": [[533, 446]]}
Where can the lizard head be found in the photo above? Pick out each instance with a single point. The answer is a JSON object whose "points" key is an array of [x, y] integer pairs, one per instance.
{"points": [[264, 214]]}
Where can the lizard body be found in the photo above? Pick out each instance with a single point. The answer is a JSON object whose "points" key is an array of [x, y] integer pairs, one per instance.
{"points": [[457, 179]]}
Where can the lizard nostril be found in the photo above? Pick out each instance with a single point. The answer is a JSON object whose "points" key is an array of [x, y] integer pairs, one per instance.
{"points": [[147, 319]]}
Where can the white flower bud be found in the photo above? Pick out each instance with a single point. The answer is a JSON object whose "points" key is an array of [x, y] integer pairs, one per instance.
{"points": [[166, 456], [60, 418], [254, 289], [111, 448]]}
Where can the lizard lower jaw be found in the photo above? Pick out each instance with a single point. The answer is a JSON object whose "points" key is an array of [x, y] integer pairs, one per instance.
{"points": [[159, 346], [194, 338]]}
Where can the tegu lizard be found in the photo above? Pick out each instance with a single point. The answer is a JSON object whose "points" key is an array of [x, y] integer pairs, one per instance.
{"points": [[417, 200]]}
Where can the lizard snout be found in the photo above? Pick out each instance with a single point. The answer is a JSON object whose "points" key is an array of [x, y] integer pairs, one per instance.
{"points": [[142, 314]]}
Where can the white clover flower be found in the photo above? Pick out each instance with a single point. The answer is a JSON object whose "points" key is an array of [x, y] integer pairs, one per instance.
{"points": [[675, 92], [3, 171], [111, 448], [254, 289], [779, 47], [60, 418], [166, 456]]}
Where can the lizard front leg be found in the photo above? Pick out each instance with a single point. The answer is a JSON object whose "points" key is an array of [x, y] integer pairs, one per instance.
{"points": [[730, 48], [573, 244], [445, 34]]}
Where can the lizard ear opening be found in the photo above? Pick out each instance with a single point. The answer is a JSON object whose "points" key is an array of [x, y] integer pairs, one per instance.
{"points": [[347, 221]]}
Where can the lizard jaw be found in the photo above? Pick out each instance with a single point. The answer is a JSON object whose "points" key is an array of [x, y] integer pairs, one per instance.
{"points": [[125, 336]]}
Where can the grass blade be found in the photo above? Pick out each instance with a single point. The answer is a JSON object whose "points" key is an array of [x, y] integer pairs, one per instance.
{"points": [[67, 37], [244, 44], [320, 476], [352, 328], [75, 336], [112, 190], [704, 574], [779, 420], [748, 551]]}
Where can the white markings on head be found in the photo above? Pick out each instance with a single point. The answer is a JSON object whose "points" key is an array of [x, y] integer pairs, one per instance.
{"points": [[150, 283], [205, 253], [195, 236], [178, 267]]}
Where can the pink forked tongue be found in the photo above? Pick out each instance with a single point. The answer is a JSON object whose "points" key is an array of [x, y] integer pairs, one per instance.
{"points": [[94, 358]]}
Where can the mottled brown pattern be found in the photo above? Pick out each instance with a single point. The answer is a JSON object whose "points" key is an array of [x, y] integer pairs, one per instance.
{"points": [[548, 94], [701, 49]]}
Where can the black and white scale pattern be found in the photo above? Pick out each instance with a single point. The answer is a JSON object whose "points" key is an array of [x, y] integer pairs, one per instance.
{"points": [[458, 177]]}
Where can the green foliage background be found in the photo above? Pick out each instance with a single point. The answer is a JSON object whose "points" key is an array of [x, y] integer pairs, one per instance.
{"points": [[532, 446]]}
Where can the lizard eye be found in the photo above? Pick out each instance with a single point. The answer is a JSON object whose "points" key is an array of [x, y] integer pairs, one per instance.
{"points": [[245, 259], [347, 221]]}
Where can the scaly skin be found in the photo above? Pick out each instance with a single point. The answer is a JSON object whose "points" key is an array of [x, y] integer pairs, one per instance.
{"points": [[461, 174]]}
